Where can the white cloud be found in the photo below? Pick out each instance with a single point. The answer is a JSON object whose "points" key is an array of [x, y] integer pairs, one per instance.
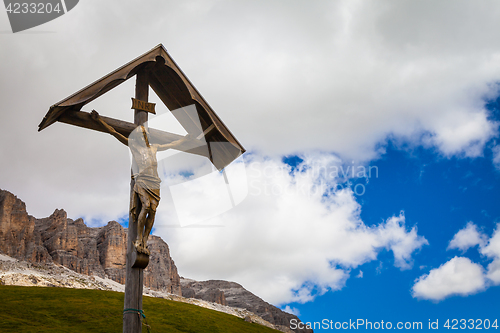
{"points": [[492, 250], [294, 311], [493, 272], [463, 133], [401, 242], [458, 276], [467, 237], [292, 237]]}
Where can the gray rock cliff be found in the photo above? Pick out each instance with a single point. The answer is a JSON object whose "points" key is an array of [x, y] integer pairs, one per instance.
{"points": [[236, 296]]}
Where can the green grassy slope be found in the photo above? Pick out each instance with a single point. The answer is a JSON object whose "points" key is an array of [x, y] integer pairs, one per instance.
{"points": [[38, 309]]}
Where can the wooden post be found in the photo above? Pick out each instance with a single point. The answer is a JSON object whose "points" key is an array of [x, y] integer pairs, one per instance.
{"points": [[134, 276]]}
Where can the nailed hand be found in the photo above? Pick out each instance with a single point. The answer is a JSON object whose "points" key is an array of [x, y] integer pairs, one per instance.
{"points": [[94, 115]]}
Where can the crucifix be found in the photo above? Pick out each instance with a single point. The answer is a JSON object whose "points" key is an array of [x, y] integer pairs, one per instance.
{"points": [[207, 136]]}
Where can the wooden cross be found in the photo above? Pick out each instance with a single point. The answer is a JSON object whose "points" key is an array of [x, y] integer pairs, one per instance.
{"points": [[156, 69]]}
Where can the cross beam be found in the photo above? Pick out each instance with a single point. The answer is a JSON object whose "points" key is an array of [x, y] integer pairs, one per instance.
{"points": [[83, 119]]}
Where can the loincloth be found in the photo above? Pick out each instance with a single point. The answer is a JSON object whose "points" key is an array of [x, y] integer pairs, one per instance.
{"points": [[147, 183]]}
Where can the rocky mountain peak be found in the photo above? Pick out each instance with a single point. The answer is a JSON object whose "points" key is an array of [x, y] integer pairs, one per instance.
{"points": [[91, 251], [235, 295]]}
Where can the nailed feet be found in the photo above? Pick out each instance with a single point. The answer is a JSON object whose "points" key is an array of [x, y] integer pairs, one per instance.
{"points": [[141, 248]]}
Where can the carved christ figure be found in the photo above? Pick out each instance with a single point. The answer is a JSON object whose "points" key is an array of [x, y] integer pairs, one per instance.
{"points": [[145, 174]]}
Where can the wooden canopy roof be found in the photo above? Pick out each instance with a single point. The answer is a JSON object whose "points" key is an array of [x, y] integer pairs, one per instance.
{"points": [[173, 88]]}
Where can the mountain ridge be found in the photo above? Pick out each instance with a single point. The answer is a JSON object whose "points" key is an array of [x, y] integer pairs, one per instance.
{"points": [[101, 251]]}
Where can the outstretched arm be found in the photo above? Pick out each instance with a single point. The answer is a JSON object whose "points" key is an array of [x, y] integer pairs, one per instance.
{"points": [[175, 144], [95, 115]]}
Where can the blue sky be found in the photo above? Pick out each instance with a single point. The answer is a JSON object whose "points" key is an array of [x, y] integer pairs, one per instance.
{"points": [[407, 88], [440, 195], [441, 201]]}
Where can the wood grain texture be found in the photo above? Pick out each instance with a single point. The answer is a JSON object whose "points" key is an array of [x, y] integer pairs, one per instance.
{"points": [[135, 276]]}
